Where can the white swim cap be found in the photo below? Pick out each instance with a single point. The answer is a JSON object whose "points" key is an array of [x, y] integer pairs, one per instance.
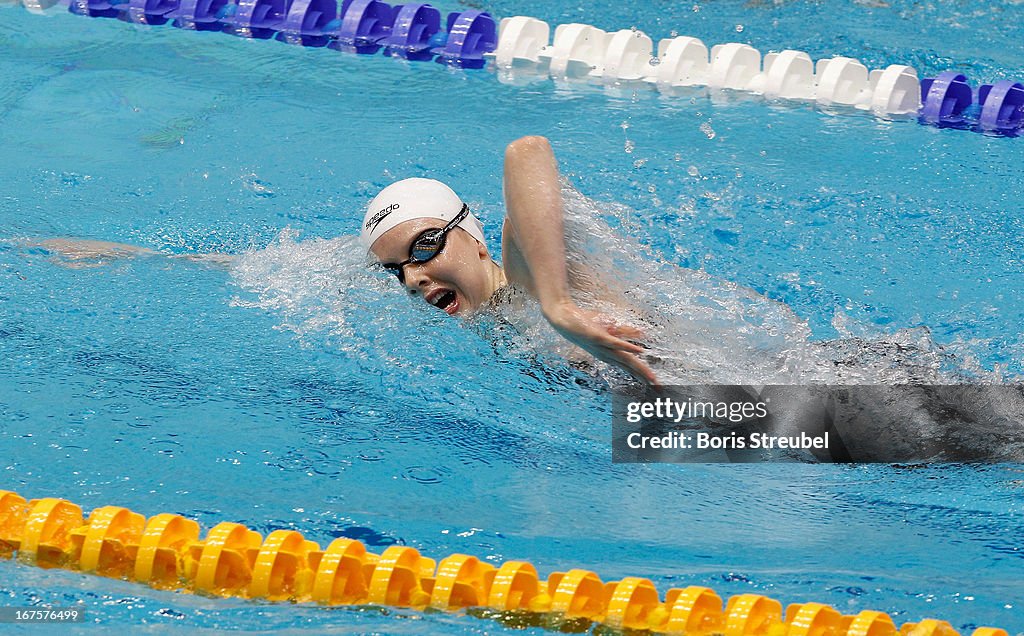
{"points": [[415, 198]]}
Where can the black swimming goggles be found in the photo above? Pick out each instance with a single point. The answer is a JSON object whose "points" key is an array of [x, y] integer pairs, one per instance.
{"points": [[426, 245]]}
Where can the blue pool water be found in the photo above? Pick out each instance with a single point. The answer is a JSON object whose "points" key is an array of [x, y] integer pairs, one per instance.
{"points": [[295, 390]]}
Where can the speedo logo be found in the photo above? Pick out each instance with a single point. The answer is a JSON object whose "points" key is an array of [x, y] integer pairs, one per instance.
{"points": [[374, 220]]}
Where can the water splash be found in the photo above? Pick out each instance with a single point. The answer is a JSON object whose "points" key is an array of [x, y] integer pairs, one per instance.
{"points": [[703, 329]]}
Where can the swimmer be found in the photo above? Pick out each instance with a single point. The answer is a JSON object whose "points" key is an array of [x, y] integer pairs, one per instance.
{"points": [[658, 322], [422, 232]]}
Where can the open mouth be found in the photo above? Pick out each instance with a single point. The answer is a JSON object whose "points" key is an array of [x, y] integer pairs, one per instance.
{"points": [[446, 300]]}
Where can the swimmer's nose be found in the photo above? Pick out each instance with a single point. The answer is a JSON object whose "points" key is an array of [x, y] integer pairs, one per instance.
{"points": [[415, 279]]}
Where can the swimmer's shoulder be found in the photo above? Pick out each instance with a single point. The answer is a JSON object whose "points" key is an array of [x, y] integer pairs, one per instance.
{"points": [[508, 295]]}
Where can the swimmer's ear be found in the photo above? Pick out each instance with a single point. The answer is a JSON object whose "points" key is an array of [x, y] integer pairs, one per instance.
{"points": [[482, 252]]}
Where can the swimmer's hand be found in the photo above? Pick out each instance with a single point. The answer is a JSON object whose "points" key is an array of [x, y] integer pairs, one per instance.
{"points": [[602, 337], [77, 253], [87, 250]]}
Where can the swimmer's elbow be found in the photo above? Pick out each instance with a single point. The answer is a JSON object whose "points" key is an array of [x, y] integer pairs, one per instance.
{"points": [[526, 147]]}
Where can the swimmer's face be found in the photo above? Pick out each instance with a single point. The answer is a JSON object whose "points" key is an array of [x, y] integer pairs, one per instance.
{"points": [[458, 280]]}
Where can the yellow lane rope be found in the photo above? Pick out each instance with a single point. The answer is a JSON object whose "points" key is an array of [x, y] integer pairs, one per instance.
{"points": [[166, 553]]}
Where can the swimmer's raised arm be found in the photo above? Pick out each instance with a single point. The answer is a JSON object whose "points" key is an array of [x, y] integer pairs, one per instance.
{"points": [[533, 235], [533, 247]]}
